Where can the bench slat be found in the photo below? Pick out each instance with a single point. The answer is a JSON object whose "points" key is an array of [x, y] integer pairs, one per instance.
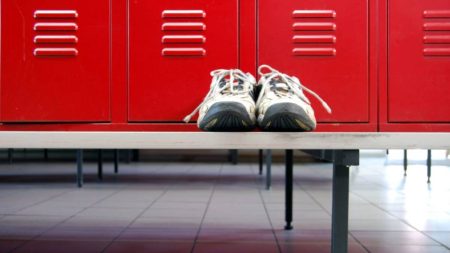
{"points": [[209, 140]]}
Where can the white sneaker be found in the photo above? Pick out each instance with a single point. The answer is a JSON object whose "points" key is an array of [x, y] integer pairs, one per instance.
{"points": [[281, 104], [229, 104]]}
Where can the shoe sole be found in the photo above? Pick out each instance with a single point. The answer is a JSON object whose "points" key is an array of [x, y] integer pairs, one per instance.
{"points": [[286, 117], [227, 117]]}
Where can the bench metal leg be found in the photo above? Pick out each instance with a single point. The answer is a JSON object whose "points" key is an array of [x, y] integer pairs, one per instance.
{"points": [[233, 156], [289, 188], [339, 229], [116, 161], [428, 165], [10, 155], [405, 161], [136, 155], [260, 159], [46, 154], [80, 168], [100, 164], [128, 156], [268, 169]]}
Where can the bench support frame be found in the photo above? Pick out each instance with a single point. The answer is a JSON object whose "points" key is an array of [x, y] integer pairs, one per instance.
{"points": [[342, 160]]}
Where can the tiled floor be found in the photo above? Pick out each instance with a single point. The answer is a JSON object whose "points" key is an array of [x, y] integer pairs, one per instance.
{"points": [[218, 207]]}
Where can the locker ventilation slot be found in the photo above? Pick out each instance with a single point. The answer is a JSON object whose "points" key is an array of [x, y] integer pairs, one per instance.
{"points": [[437, 26], [175, 26], [55, 33], [436, 14], [314, 51], [42, 39], [183, 33], [183, 51], [436, 38], [175, 39], [55, 26], [55, 14], [55, 52], [314, 14], [314, 33], [314, 26], [183, 14]]}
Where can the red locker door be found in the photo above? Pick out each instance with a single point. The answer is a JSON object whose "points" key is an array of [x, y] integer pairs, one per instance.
{"points": [[419, 61], [174, 44], [55, 61], [325, 44]]}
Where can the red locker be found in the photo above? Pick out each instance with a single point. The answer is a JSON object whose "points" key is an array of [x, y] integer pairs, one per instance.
{"points": [[173, 46], [325, 44], [381, 65], [418, 61], [55, 61]]}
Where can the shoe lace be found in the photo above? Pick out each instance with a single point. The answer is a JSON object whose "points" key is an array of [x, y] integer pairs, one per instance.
{"points": [[291, 83], [237, 84]]}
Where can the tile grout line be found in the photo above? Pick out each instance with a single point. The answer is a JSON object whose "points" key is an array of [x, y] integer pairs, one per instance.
{"points": [[329, 213], [402, 220], [137, 217], [358, 241], [270, 222], [40, 202], [311, 196], [206, 210], [386, 211], [64, 220], [416, 229], [377, 203]]}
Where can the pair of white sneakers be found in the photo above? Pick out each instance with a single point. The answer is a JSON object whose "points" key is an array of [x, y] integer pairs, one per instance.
{"points": [[280, 105]]}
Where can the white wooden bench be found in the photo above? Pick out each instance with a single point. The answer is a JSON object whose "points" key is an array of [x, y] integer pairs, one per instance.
{"points": [[345, 148]]}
